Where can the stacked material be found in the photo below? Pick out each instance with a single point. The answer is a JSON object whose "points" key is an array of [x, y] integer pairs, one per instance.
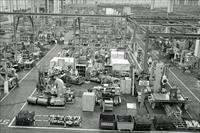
{"points": [[63, 62], [88, 101], [125, 85], [117, 54], [120, 64]]}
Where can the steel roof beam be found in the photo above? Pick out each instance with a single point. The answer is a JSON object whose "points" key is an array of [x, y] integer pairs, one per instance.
{"points": [[59, 14], [174, 35], [154, 18]]}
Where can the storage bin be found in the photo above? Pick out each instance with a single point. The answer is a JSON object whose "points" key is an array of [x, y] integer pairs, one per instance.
{"points": [[125, 122], [162, 123], [142, 123], [107, 121]]}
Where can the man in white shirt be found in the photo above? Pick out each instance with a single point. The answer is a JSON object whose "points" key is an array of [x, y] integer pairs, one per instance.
{"points": [[60, 86]]}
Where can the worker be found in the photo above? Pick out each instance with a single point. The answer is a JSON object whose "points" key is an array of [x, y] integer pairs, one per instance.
{"points": [[150, 61], [16, 76], [60, 85]]}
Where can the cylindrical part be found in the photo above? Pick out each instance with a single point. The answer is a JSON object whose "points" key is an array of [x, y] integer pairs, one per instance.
{"points": [[42, 101], [32, 100]]}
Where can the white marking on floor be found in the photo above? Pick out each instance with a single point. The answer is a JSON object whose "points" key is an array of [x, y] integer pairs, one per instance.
{"points": [[188, 114], [29, 72], [185, 87], [59, 128], [41, 115], [11, 122]]}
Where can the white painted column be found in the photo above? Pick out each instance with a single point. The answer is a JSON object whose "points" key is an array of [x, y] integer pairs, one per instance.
{"points": [[167, 29], [197, 46], [170, 6], [152, 4], [6, 88], [186, 2], [158, 74], [132, 80], [10, 9], [56, 6]]}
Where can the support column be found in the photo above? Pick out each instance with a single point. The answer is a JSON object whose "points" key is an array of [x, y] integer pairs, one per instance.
{"points": [[132, 79], [152, 4], [186, 2], [170, 6], [167, 29], [6, 87], [145, 64], [197, 46], [46, 6], [132, 67], [62, 8]]}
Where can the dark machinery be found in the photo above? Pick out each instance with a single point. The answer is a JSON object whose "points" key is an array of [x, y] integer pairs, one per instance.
{"points": [[25, 118]]}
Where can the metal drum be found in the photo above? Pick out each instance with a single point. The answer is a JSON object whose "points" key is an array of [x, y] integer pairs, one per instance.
{"points": [[32, 100], [42, 101]]}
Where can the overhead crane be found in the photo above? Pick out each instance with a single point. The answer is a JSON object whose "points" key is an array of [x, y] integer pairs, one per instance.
{"points": [[135, 17], [59, 14], [174, 35], [131, 19], [165, 18]]}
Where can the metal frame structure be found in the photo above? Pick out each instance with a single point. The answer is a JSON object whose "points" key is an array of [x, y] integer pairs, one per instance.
{"points": [[175, 36], [17, 24], [59, 14], [131, 19]]}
